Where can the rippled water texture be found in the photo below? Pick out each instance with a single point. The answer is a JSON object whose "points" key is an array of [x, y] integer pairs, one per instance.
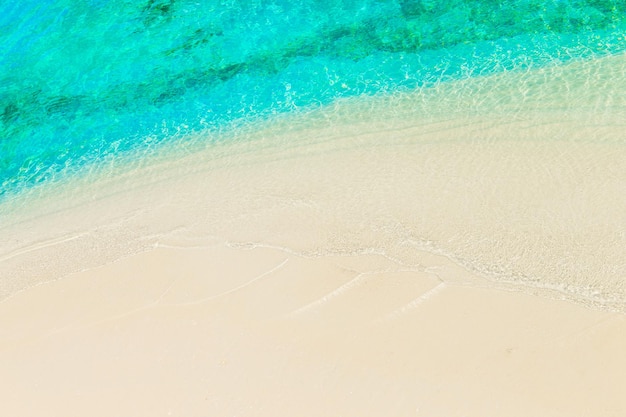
{"points": [[83, 80]]}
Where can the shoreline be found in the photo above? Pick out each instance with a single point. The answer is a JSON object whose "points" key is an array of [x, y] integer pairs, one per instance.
{"points": [[366, 258], [482, 203]]}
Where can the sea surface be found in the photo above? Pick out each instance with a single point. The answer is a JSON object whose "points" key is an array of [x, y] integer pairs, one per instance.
{"points": [[489, 132], [84, 81]]}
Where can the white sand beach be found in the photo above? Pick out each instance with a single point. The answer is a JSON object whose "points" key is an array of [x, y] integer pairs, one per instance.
{"points": [[458, 251], [264, 332]]}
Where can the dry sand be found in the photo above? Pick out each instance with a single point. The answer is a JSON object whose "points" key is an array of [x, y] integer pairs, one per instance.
{"points": [[263, 332], [417, 255]]}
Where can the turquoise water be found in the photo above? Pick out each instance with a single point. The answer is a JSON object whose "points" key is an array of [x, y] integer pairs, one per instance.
{"points": [[83, 80]]}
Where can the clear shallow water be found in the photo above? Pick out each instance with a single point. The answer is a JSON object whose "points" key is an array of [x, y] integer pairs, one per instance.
{"points": [[81, 81]]}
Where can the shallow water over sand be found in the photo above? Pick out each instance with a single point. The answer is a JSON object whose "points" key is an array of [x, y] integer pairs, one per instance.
{"points": [[519, 177]]}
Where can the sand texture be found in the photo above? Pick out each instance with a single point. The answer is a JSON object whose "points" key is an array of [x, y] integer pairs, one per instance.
{"points": [[457, 251], [263, 332]]}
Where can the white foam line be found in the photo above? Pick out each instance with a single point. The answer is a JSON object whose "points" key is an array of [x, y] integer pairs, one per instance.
{"points": [[41, 245], [122, 315], [415, 303], [357, 280], [578, 333], [158, 300], [334, 293], [232, 290]]}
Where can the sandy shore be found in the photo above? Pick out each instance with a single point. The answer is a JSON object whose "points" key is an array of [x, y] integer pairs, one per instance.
{"points": [[454, 252], [263, 332]]}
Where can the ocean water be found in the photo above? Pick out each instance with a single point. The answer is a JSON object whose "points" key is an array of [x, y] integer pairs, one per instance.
{"points": [[82, 82], [491, 133]]}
